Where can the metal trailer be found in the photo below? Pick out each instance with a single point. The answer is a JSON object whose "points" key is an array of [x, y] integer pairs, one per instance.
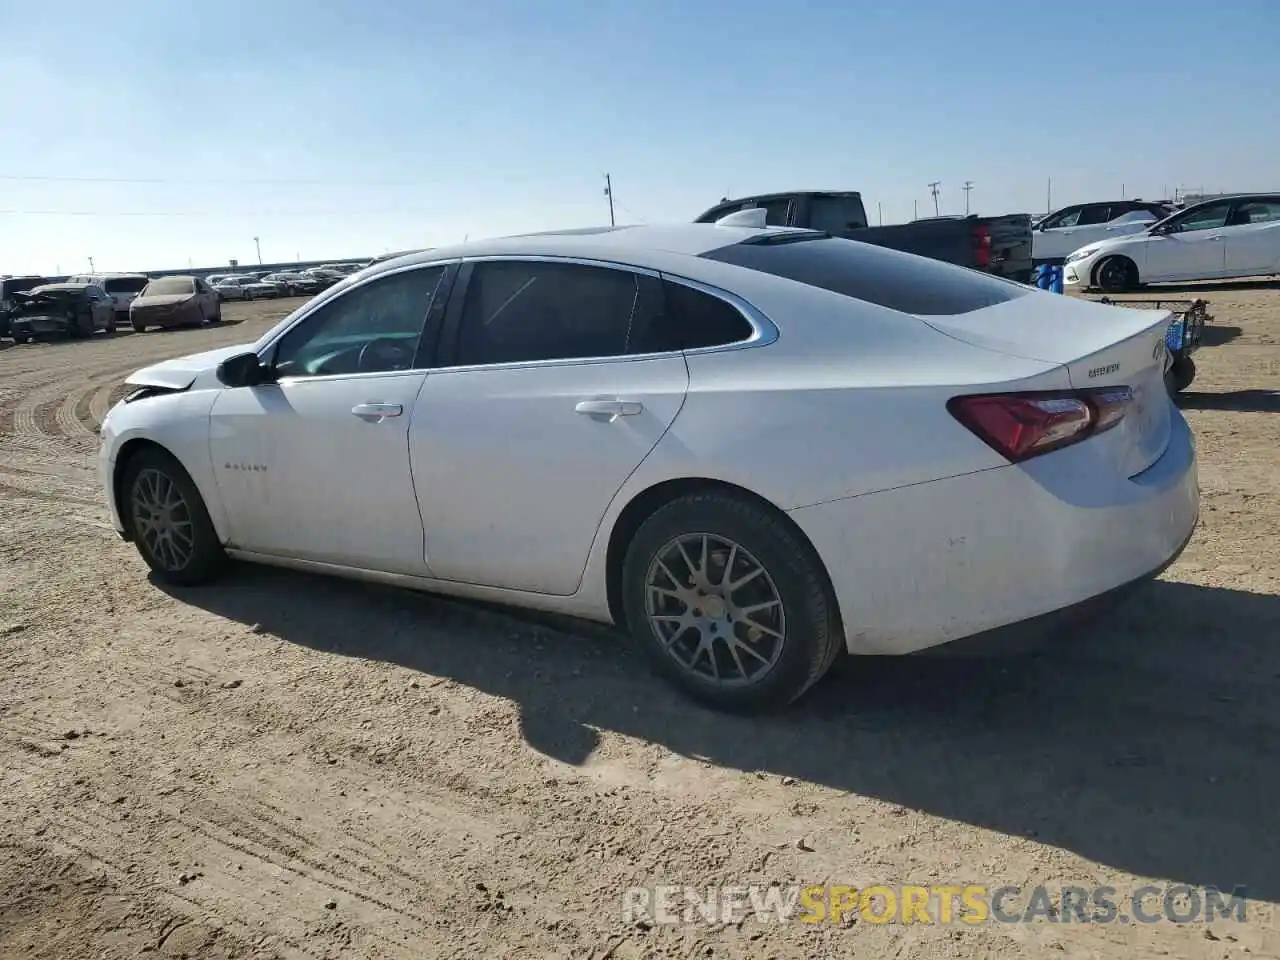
{"points": [[1183, 338]]}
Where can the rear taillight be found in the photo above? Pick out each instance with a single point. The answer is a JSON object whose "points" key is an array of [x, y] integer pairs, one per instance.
{"points": [[1019, 426], [981, 246]]}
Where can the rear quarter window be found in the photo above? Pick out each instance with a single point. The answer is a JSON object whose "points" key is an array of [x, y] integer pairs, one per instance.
{"points": [[873, 274]]}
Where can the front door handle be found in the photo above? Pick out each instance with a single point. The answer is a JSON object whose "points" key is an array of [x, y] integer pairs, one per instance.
{"points": [[609, 408], [1216, 236], [377, 412]]}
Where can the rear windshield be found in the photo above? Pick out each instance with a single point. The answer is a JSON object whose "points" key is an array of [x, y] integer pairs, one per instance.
{"points": [[169, 286], [17, 284], [873, 274], [124, 284]]}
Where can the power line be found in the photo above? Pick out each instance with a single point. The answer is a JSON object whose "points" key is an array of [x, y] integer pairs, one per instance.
{"points": [[399, 211], [300, 181]]}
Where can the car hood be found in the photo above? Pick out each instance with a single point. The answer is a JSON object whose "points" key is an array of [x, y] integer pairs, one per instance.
{"points": [[1116, 243], [180, 373], [168, 300]]}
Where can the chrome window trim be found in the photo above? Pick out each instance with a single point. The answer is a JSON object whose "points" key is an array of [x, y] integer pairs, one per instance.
{"points": [[763, 330], [263, 350]]}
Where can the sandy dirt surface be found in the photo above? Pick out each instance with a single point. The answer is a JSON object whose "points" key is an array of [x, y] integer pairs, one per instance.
{"points": [[285, 766]]}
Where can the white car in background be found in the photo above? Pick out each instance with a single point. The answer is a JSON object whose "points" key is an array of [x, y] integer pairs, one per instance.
{"points": [[121, 288], [242, 287], [1228, 237], [1067, 230], [754, 448]]}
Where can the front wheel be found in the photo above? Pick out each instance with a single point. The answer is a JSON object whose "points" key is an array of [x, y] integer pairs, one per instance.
{"points": [[729, 603], [1116, 275], [169, 521]]}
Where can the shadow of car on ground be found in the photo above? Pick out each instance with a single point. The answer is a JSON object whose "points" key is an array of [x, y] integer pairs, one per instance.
{"points": [[1146, 741]]}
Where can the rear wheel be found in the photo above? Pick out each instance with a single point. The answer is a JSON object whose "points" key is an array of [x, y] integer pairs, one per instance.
{"points": [[138, 325], [1116, 275], [168, 520], [728, 603], [82, 325], [217, 313], [111, 324]]}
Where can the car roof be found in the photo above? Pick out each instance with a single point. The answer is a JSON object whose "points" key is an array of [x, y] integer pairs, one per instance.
{"points": [[64, 286], [641, 246]]}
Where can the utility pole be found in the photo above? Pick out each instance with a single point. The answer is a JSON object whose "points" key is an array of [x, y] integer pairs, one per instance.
{"points": [[880, 212], [608, 192], [258, 247], [933, 188], [968, 185], [1048, 197], [915, 209], [91, 269]]}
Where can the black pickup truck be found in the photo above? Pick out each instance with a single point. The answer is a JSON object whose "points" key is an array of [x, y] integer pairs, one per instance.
{"points": [[999, 245]]}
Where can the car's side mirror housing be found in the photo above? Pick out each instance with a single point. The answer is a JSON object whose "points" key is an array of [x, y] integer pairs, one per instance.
{"points": [[244, 370]]}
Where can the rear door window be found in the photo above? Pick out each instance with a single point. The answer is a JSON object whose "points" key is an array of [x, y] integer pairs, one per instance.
{"points": [[871, 274], [520, 311], [836, 214]]}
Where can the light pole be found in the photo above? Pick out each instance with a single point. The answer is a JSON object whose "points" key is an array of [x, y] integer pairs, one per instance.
{"points": [[258, 247], [91, 269]]}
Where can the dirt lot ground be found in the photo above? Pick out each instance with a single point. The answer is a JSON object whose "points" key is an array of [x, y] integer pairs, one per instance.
{"points": [[285, 766]]}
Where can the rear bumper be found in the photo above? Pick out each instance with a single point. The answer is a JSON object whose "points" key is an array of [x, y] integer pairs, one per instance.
{"points": [[925, 565]]}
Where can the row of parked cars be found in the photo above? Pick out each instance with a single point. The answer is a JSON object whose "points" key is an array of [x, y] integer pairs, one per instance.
{"points": [[264, 285], [81, 305]]}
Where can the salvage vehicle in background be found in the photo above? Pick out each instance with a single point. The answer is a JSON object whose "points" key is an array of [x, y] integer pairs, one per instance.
{"points": [[76, 309], [245, 287], [755, 448], [9, 287], [120, 287], [1067, 230], [175, 302], [1223, 238], [998, 245]]}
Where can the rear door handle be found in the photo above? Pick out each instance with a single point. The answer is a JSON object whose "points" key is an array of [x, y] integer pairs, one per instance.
{"points": [[609, 408], [1216, 236], [375, 412]]}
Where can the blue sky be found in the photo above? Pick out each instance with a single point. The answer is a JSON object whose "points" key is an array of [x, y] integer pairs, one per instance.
{"points": [[341, 129]]}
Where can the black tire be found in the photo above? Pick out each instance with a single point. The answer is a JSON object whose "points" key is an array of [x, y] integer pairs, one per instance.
{"points": [[111, 324], [1116, 275], [811, 636], [206, 556], [82, 325], [1179, 376], [21, 338], [217, 314], [138, 326]]}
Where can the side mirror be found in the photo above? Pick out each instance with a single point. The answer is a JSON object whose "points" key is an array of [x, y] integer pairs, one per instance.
{"points": [[243, 370]]}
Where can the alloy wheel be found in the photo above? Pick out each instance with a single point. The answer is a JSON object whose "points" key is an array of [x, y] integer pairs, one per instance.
{"points": [[715, 609], [162, 519]]}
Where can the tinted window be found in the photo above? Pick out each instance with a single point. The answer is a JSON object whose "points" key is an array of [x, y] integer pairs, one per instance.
{"points": [[1256, 211], [519, 311], [1096, 213], [689, 319], [836, 214], [124, 284], [1209, 217], [874, 274], [1067, 218], [372, 328]]}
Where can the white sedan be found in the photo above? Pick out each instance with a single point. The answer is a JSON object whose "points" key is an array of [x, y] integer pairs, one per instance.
{"points": [[754, 448], [1235, 236]]}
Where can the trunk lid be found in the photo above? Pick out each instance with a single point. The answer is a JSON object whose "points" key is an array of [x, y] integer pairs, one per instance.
{"points": [[1100, 346]]}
